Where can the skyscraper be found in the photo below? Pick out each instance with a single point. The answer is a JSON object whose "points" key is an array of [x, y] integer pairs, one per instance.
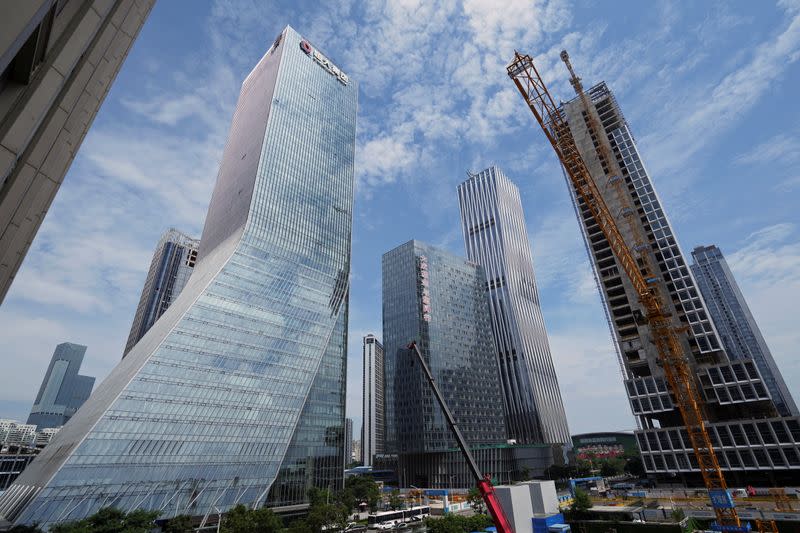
{"points": [[237, 393], [439, 300], [348, 441], [753, 443], [372, 410], [63, 390], [172, 264], [57, 61], [496, 238], [737, 328]]}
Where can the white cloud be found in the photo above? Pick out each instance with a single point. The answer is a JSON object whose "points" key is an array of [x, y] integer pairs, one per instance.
{"points": [[381, 159], [783, 148], [711, 110]]}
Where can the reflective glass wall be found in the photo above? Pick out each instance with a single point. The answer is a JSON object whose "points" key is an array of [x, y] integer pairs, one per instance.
{"points": [[242, 379]]}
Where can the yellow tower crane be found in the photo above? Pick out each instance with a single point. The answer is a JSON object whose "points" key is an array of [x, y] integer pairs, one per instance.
{"points": [[637, 268]]}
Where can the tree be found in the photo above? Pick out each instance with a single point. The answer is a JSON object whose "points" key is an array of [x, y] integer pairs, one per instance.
{"points": [[179, 524], [395, 501], [475, 500], [458, 524], [634, 466], [677, 514], [299, 526], [266, 521], [582, 468], [240, 519], [359, 489], [325, 510], [581, 501], [26, 529], [110, 520], [611, 467]]}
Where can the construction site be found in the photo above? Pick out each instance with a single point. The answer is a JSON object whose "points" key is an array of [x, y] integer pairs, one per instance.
{"points": [[686, 392]]}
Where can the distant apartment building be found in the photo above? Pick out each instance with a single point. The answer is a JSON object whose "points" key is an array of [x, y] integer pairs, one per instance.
{"points": [[63, 390], [372, 409], [439, 300], [735, 324], [170, 268], [58, 59], [754, 444], [17, 434], [19, 445], [495, 236]]}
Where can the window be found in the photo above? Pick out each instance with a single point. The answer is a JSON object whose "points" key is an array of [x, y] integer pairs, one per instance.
{"points": [[761, 457], [752, 435], [777, 458], [738, 436], [733, 459], [781, 432], [724, 436], [766, 434]]}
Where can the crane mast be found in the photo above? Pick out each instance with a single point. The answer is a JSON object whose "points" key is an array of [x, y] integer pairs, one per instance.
{"points": [[665, 335]]}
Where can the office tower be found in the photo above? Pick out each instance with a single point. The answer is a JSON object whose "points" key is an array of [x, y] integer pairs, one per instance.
{"points": [[737, 328], [753, 443], [439, 300], [63, 390], [58, 60], [172, 264], [496, 238], [237, 393], [348, 441], [372, 410]]}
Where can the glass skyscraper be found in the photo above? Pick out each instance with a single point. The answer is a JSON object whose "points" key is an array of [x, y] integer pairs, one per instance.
{"points": [[237, 393], [496, 238], [737, 328], [63, 390], [172, 264], [372, 408], [439, 300]]}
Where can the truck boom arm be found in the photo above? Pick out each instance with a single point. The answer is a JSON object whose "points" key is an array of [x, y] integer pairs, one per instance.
{"points": [[483, 482]]}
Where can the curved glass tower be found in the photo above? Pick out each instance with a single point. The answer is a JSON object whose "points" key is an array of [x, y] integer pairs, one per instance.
{"points": [[236, 394]]}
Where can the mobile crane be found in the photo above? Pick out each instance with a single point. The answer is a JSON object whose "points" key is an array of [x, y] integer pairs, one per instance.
{"points": [[674, 361], [483, 482]]}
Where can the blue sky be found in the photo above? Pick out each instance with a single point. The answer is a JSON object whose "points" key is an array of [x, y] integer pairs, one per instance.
{"points": [[708, 87]]}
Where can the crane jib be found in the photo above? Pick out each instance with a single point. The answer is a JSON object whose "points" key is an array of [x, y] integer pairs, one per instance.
{"points": [[531, 86]]}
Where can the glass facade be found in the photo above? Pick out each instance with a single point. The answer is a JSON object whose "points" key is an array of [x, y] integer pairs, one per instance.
{"points": [[172, 264], [495, 237], [236, 394], [737, 328], [63, 390], [439, 300]]}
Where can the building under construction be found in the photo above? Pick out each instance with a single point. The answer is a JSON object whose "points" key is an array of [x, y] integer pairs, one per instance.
{"points": [[753, 444]]}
